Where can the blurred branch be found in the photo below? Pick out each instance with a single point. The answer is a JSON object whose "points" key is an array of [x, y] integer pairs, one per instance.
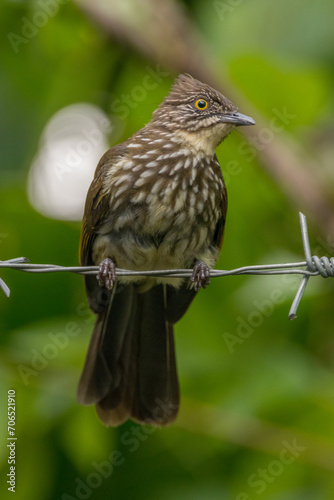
{"points": [[251, 432], [315, 266], [162, 31]]}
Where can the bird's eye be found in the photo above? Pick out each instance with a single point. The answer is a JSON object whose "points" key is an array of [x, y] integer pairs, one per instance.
{"points": [[201, 104]]}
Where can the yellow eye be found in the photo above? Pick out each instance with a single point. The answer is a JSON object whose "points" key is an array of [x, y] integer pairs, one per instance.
{"points": [[201, 104]]}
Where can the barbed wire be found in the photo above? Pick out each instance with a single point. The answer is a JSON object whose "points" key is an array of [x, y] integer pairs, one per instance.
{"points": [[314, 266]]}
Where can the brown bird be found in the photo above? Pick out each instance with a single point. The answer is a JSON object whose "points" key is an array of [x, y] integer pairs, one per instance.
{"points": [[157, 201]]}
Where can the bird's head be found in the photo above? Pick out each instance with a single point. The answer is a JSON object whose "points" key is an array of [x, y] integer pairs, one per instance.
{"points": [[199, 114]]}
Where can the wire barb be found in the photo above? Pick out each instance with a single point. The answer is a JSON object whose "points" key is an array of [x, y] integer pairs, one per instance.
{"points": [[314, 266], [18, 260]]}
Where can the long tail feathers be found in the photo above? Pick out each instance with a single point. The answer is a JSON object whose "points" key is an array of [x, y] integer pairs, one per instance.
{"points": [[130, 369]]}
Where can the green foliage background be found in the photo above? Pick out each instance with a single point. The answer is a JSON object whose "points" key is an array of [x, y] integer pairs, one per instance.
{"points": [[242, 399]]}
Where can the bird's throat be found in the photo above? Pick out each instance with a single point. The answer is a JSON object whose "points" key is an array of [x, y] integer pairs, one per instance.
{"points": [[204, 140]]}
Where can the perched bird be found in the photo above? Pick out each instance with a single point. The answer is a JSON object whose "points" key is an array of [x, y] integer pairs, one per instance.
{"points": [[157, 201]]}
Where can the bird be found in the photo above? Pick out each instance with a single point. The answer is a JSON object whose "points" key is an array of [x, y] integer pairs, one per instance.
{"points": [[158, 201]]}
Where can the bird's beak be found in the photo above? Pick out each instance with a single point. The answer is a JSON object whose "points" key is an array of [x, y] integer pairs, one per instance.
{"points": [[237, 119]]}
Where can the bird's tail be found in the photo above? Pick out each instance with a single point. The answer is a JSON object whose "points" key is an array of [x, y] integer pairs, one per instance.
{"points": [[130, 368]]}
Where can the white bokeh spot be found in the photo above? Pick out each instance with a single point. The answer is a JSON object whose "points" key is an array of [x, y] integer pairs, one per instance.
{"points": [[71, 145]]}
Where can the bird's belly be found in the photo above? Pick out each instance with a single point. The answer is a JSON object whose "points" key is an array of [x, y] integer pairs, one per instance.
{"points": [[172, 248], [168, 231]]}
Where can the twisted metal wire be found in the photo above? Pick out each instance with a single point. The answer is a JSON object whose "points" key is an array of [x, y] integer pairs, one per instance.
{"points": [[314, 266]]}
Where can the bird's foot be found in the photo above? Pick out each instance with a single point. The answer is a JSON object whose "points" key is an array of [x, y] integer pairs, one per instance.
{"points": [[201, 275], [106, 276]]}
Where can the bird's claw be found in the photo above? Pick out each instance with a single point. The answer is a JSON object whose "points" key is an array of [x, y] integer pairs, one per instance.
{"points": [[106, 275], [201, 275]]}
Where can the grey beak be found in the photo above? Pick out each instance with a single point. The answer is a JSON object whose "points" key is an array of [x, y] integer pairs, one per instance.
{"points": [[237, 119]]}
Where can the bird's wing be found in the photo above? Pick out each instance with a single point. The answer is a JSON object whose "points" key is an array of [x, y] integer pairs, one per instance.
{"points": [[97, 205], [96, 210], [218, 236]]}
